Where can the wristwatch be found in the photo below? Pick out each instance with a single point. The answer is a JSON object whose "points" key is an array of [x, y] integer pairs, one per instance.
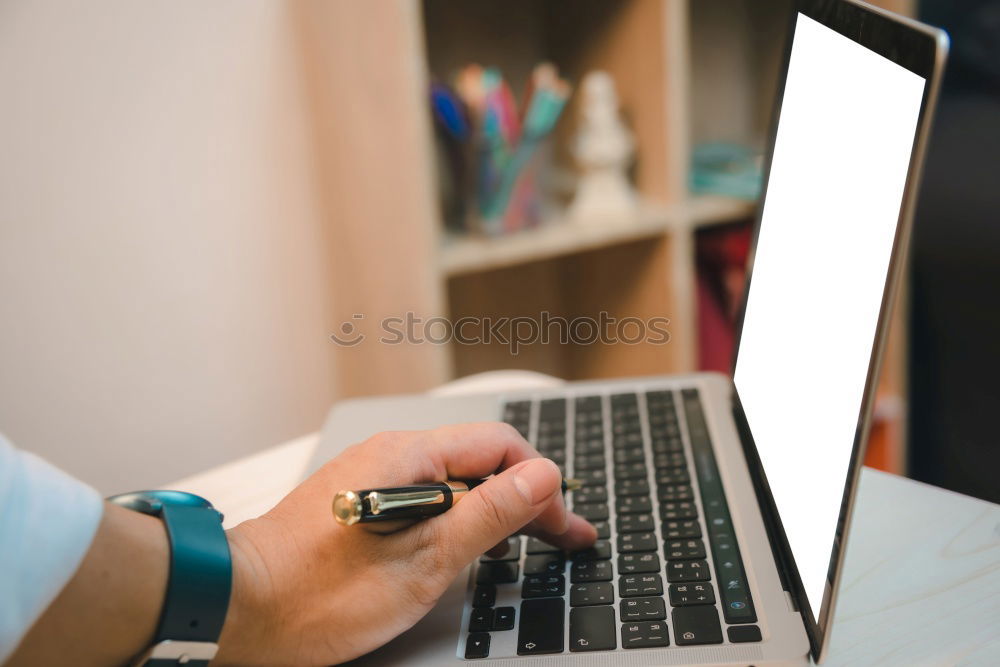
{"points": [[201, 577]]}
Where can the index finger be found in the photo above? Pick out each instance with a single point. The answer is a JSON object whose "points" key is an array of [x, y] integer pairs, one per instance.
{"points": [[462, 451], [477, 450]]}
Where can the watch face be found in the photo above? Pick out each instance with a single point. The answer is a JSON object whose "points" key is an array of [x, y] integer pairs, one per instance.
{"points": [[152, 502]]}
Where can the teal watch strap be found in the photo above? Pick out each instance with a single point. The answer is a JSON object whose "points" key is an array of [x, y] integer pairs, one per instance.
{"points": [[200, 580], [201, 574]]}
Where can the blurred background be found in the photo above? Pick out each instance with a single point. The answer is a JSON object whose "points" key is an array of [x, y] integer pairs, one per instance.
{"points": [[194, 196]]}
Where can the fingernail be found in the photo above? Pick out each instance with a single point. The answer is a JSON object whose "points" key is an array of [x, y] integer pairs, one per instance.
{"points": [[537, 478]]}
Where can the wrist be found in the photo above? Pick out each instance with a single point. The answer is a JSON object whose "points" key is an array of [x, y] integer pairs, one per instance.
{"points": [[251, 621]]}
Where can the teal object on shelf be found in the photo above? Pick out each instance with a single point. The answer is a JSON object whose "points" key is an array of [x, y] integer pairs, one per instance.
{"points": [[726, 169]]}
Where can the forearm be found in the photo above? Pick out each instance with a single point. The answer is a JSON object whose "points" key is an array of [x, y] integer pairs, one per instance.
{"points": [[108, 611]]}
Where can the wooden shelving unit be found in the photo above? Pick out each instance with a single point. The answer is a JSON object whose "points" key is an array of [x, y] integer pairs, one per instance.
{"points": [[462, 254], [644, 44]]}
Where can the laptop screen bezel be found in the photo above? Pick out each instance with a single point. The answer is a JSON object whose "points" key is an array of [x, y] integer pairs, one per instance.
{"points": [[921, 50]]}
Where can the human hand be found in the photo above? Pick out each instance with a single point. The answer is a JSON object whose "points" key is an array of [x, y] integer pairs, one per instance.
{"points": [[301, 579]]}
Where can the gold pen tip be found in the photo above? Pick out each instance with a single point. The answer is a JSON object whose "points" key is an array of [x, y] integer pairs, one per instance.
{"points": [[573, 484], [347, 508]]}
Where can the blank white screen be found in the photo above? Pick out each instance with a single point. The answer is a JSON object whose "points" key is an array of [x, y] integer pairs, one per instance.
{"points": [[845, 134]]}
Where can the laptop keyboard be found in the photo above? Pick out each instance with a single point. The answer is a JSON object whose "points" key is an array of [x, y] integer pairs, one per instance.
{"points": [[647, 582]]}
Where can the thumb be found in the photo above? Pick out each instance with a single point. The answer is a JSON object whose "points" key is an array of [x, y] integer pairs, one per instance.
{"points": [[498, 508]]}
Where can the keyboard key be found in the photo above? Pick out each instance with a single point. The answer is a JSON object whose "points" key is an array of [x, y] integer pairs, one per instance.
{"points": [[556, 455], [536, 546], [503, 618], [678, 530], [632, 585], [645, 635], [642, 609], [666, 429], [588, 462], [737, 606], [632, 487], [673, 492], [672, 476], [739, 634], [628, 439], [595, 477], [624, 399], [497, 573], [485, 595], [665, 445], [552, 429], [696, 625], [551, 444], [678, 510], [635, 542], [638, 563], [552, 408], [590, 570], [660, 416], [477, 646], [512, 552], [662, 413], [590, 494], [635, 523], [679, 571], [660, 397], [683, 549], [668, 461], [603, 529], [630, 471], [592, 511], [589, 446], [625, 411], [592, 629], [630, 455], [481, 620], [551, 563], [543, 586], [634, 505], [625, 427], [541, 627], [597, 592], [553, 426], [600, 551], [518, 408], [685, 595]]}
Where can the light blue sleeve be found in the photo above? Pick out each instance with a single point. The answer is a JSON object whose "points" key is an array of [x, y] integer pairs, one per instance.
{"points": [[47, 522]]}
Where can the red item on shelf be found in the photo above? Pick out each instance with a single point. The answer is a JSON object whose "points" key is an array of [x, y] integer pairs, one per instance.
{"points": [[721, 257]]}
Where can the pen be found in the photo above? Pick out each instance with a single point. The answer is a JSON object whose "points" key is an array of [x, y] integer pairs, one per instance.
{"points": [[417, 501]]}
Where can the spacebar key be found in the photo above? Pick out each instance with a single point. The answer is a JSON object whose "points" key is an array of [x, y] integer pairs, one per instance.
{"points": [[541, 626]]}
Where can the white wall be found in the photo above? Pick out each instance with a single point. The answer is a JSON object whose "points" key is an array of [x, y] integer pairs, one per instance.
{"points": [[163, 293]]}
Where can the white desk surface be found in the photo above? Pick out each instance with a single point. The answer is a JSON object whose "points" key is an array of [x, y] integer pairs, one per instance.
{"points": [[921, 582]]}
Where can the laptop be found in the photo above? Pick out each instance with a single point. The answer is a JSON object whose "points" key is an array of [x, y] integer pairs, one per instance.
{"points": [[723, 504]]}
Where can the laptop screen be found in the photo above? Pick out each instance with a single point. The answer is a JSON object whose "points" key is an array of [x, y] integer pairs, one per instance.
{"points": [[845, 132]]}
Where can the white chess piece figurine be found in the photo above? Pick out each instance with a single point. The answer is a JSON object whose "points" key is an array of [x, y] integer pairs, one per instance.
{"points": [[603, 149]]}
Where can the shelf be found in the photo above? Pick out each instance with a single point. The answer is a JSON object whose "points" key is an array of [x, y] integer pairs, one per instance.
{"points": [[560, 236]]}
